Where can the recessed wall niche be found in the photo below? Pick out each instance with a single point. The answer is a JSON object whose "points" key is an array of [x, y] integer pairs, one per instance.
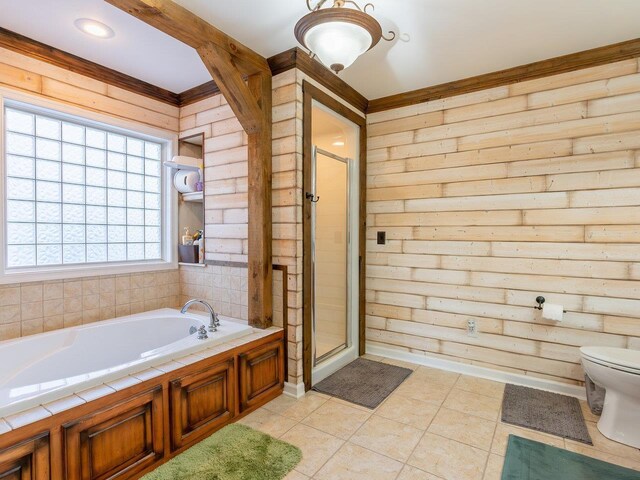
{"points": [[191, 205]]}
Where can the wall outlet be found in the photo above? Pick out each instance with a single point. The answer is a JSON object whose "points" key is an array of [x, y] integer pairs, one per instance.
{"points": [[382, 238], [472, 328]]}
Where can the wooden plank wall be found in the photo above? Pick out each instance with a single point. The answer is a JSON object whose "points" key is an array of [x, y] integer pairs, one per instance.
{"points": [[492, 198], [287, 204], [27, 74], [225, 161]]}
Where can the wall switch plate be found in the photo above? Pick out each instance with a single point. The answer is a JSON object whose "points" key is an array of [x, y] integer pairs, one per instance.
{"points": [[382, 238], [472, 328]]}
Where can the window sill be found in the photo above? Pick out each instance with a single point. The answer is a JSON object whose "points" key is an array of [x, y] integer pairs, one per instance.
{"points": [[45, 274]]}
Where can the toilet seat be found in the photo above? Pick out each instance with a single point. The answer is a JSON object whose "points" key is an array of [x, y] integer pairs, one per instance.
{"points": [[623, 359]]}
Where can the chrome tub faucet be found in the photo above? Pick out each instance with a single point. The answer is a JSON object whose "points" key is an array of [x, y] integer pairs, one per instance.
{"points": [[214, 321]]}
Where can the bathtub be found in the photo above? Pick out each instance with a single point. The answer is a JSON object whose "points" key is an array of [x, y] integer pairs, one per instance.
{"points": [[48, 366]]}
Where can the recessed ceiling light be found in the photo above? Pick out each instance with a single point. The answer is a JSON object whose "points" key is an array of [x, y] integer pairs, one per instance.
{"points": [[94, 28]]}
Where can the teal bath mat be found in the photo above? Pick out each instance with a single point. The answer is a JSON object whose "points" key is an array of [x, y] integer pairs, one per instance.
{"points": [[529, 460]]}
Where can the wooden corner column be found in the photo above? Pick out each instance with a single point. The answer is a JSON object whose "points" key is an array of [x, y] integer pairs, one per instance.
{"points": [[260, 224], [230, 63]]}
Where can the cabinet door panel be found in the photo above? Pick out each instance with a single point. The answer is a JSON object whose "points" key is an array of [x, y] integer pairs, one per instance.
{"points": [[261, 374], [201, 402], [116, 442], [27, 461]]}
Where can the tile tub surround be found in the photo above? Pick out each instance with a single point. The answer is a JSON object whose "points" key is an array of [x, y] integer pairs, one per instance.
{"points": [[495, 197], [225, 288], [412, 436], [30, 308]]}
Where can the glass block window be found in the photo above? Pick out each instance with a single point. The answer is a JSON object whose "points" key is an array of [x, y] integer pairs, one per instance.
{"points": [[77, 193]]}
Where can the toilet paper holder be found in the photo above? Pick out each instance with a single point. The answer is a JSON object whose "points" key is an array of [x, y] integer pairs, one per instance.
{"points": [[540, 300]]}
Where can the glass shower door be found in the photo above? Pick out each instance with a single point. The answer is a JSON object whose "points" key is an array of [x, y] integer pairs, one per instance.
{"points": [[330, 251]]}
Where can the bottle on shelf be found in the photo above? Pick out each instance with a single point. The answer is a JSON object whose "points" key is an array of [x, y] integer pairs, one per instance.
{"points": [[187, 239]]}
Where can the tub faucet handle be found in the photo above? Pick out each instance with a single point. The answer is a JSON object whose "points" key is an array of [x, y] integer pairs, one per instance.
{"points": [[213, 325], [215, 322], [202, 333]]}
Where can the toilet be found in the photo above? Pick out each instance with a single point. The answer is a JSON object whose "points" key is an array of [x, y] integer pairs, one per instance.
{"points": [[618, 371]]}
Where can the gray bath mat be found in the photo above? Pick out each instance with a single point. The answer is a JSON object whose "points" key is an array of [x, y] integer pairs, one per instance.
{"points": [[363, 382], [544, 411]]}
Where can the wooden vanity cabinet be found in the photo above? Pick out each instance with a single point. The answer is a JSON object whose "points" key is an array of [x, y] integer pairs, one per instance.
{"points": [[28, 460], [116, 442], [261, 374], [201, 402]]}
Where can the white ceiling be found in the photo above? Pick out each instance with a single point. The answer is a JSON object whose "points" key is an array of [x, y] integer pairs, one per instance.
{"points": [[439, 40], [137, 49]]}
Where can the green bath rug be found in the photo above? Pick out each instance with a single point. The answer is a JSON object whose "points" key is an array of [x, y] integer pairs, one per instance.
{"points": [[235, 452], [529, 460]]}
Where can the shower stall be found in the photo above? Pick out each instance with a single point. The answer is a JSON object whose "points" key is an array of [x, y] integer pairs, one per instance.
{"points": [[333, 197]]}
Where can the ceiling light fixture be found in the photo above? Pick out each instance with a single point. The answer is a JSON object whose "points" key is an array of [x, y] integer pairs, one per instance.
{"points": [[339, 35], [94, 28]]}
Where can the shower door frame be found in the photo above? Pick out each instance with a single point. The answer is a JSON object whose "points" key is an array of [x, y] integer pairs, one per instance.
{"points": [[312, 93], [349, 164]]}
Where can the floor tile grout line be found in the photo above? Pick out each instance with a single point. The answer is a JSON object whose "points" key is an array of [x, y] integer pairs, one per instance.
{"points": [[369, 449], [425, 432], [460, 441], [486, 463], [329, 433], [472, 414], [325, 433]]}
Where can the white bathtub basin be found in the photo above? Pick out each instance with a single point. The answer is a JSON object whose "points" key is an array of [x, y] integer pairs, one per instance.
{"points": [[44, 367]]}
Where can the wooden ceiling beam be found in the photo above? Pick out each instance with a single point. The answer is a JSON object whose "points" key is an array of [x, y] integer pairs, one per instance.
{"points": [[232, 85], [244, 78], [183, 25]]}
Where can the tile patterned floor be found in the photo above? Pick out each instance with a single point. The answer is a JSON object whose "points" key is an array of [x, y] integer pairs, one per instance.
{"points": [[437, 425]]}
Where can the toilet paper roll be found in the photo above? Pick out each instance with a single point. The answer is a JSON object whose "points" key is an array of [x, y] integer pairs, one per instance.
{"points": [[185, 181], [552, 311]]}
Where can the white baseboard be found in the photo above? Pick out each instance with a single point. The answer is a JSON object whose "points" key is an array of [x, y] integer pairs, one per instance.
{"points": [[476, 371], [295, 390]]}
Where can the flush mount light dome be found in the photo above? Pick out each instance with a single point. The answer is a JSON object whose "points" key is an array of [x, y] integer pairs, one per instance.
{"points": [[94, 28], [339, 35]]}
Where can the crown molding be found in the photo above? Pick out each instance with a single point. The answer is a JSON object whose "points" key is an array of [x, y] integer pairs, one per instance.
{"points": [[293, 58], [199, 92], [282, 62], [553, 66], [32, 48], [298, 58]]}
